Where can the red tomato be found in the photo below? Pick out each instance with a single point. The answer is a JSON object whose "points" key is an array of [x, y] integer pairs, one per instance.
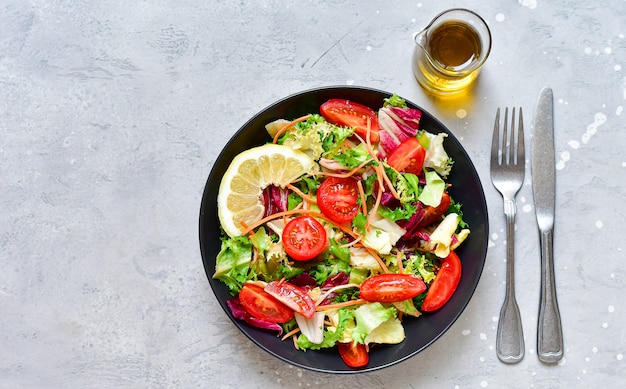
{"points": [[391, 287], [433, 214], [346, 113], [353, 354], [292, 296], [408, 157], [261, 305], [304, 238], [337, 199], [445, 283]]}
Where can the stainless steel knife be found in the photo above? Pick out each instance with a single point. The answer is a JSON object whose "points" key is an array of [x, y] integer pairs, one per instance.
{"points": [[549, 330]]}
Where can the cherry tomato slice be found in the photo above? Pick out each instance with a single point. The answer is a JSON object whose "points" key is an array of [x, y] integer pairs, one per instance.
{"points": [[263, 306], [408, 157], [337, 199], [445, 283], [391, 287], [432, 214], [349, 114], [304, 238], [353, 354], [292, 296]]}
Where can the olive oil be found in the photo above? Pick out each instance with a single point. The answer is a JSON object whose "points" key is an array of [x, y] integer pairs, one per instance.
{"points": [[450, 51], [454, 45]]}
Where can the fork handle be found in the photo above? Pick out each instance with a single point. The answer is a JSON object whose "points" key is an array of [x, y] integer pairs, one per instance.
{"points": [[549, 331], [510, 336]]}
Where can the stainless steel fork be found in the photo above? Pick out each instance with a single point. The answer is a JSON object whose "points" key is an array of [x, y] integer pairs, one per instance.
{"points": [[507, 175]]}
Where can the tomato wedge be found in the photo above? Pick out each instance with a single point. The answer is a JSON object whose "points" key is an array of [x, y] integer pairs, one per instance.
{"points": [[304, 238], [262, 305], [337, 199], [432, 214], [391, 287], [349, 114], [292, 296], [353, 354], [445, 283], [408, 157]]}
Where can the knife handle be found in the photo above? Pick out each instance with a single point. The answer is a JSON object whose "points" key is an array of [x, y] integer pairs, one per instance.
{"points": [[549, 331]]}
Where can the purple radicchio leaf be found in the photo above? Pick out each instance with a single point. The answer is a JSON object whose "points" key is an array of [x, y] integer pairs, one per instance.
{"points": [[408, 117], [275, 200], [240, 313], [340, 278]]}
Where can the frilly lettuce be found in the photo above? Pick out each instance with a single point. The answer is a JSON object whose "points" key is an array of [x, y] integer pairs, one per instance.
{"points": [[420, 265], [309, 142], [232, 265], [314, 136], [271, 262], [436, 156]]}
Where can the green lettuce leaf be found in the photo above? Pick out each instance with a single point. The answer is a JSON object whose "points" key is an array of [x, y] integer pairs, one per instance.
{"points": [[232, 265], [368, 317], [433, 190]]}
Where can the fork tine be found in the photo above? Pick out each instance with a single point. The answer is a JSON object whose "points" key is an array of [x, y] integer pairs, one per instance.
{"points": [[520, 139], [505, 139], [495, 141]]}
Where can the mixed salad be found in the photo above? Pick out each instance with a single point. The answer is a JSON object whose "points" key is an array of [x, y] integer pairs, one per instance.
{"points": [[347, 252]]}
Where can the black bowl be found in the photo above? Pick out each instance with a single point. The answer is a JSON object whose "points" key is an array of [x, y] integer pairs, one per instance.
{"points": [[420, 332]]}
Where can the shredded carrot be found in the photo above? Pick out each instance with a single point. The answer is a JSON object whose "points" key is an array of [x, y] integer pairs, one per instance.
{"points": [[288, 126], [295, 342], [275, 216], [300, 193], [340, 226], [349, 244], [295, 212], [380, 172], [340, 305], [320, 216], [399, 257], [389, 184], [290, 333], [368, 146], [363, 198], [379, 196], [381, 169], [245, 227], [378, 259]]}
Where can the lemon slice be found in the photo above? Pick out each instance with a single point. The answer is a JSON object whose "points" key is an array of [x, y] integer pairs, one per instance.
{"points": [[239, 196]]}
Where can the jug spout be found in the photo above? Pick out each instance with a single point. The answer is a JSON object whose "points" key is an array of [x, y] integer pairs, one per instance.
{"points": [[420, 38]]}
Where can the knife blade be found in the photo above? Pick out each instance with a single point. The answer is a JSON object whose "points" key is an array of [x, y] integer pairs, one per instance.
{"points": [[549, 329]]}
